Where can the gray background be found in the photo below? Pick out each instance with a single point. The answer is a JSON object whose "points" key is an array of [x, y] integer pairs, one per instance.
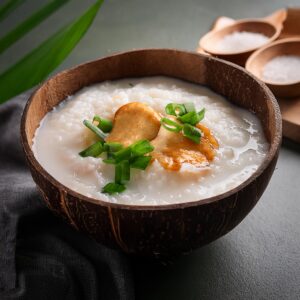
{"points": [[260, 259]]}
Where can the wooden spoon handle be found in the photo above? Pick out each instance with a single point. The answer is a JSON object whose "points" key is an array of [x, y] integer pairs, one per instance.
{"points": [[277, 18]]}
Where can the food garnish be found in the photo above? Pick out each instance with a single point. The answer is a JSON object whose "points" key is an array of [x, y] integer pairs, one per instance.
{"points": [[123, 158], [174, 140], [188, 118], [134, 121]]}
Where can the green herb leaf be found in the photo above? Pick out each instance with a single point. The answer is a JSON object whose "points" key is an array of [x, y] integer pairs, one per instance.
{"points": [[191, 132], [9, 7], [94, 150], [141, 147], [123, 154], [175, 109], [30, 23], [140, 162], [36, 65], [113, 188], [95, 129], [190, 118], [189, 106], [104, 124], [201, 114], [170, 125]]}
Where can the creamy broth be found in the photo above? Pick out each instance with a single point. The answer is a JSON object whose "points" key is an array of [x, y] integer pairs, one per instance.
{"points": [[61, 136]]}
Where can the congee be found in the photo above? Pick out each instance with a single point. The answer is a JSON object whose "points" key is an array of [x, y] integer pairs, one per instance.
{"points": [[149, 141]]}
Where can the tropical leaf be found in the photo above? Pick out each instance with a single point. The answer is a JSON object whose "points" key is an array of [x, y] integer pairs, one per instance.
{"points": [[9, 7], [36, 65], [30, 23]]}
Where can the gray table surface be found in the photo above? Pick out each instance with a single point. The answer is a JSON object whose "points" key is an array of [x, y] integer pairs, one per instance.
{"points": [[260, 259]]}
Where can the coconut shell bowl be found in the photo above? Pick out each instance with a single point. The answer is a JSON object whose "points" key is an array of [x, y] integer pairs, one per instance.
{"points": [[160, 230]]}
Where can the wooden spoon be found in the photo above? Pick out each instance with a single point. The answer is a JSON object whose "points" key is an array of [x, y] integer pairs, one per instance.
{"points": [[269, 26], [256, 62]]}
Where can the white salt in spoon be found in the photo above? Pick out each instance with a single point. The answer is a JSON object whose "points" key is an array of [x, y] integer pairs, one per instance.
{"points": [[285, 51], [255, 32]]}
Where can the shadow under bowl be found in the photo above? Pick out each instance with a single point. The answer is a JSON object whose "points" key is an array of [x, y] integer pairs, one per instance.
{"points": [[159, 230], [209, 42], [257, 61]]}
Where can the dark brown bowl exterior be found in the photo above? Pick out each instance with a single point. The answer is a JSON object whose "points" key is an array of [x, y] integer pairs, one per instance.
{"points": [[167, 229]]}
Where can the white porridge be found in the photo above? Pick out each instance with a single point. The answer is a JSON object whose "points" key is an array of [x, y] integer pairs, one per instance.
{"points": [[61, 136]]}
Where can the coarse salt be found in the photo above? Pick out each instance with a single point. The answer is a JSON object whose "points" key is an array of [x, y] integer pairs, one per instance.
{"points": [[282, 69], [241, 41]]}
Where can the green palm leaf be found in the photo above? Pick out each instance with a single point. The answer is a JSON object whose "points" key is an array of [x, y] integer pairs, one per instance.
{"points": [[30, 23], [9, 7], [35, 66]]}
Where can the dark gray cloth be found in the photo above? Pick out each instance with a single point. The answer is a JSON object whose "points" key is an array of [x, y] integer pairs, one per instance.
{"points": [[41, 257]]}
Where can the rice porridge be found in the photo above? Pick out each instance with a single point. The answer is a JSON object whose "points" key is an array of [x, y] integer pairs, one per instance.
{"points": [[61, 136]]}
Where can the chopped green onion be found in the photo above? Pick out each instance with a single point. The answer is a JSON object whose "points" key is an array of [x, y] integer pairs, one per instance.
{"points": [[170, 125], [190, 118], [125, 170], [110, 161], [191, 132], [123, 154], [189, 106], [201, 114], [103, 124], [140, 162], [122, 171], [113, 147], [112, 188], [118, 173], [175, 109], [95, 129], [94, 150], [141, 147]]}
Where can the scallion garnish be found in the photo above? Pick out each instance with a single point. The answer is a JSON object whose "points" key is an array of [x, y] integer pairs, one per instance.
{"points": [[175, 109], [189, 106], [141, 147], [123, 154], [192, 132], [170, 125], [187, 115], [123, 158], [110, 161], [125, 170], [95, 129], [122, 172], [113, 188], [140, 162], [104, 124], [94, 150], [190, 118], [201, 114], [113, 147]]}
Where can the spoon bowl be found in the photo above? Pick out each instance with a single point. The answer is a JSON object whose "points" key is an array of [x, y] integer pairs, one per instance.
{"points": [[209, 42], [270, 26], [257, 61]]}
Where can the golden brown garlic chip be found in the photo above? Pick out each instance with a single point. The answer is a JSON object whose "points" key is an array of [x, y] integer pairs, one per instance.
{"points": [[133, 122], [172, 149]]}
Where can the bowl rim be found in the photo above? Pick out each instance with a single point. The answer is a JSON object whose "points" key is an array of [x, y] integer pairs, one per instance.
{"points": [[273, 149], [272, 38], [258, 52]]}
